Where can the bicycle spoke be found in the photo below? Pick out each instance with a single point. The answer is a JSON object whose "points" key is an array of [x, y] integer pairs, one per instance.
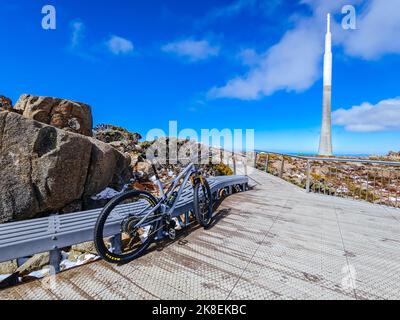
{"points": [[127, 226]]}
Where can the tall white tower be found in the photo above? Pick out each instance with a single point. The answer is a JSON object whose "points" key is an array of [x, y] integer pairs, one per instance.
{"points": [[325, 145]]}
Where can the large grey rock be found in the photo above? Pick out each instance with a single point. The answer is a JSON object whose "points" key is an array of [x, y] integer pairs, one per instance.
{"points": [[108, 167], [43, 169], [61, 113], [37, 262], [87, 247], [8, 267]]}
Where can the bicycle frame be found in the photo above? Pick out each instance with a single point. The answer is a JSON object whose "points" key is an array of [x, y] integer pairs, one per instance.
{"points": [[162, 203]]}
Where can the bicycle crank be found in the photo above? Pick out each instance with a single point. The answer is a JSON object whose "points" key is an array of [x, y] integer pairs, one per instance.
{"points": [[170, 229], [172, 233]]}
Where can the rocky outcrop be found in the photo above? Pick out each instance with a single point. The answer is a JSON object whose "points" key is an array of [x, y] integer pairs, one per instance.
{"points": [[118, 137], [37, 262], [5, 104], [82, 248], [109, 133], [61, 113], [393, 155], [8, 267], [45, 169], [108, 167]]}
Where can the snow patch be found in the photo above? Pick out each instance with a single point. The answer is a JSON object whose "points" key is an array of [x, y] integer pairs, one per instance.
{"points": [[81, 260], [109, 193], [40, 273], [106, 194]]}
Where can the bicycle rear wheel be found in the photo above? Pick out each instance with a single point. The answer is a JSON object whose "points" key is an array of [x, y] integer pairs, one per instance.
{"points": [[203, 204], [120, 234]]}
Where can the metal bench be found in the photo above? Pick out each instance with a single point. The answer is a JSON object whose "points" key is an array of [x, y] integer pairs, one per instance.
{"points": [[26, 238]]}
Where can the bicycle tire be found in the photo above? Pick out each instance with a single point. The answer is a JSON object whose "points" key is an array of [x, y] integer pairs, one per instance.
{"points": [[203, 211], [101, 248]]}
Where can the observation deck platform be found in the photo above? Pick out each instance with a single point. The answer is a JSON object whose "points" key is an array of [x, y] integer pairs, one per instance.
{"points": [[273, 242]]}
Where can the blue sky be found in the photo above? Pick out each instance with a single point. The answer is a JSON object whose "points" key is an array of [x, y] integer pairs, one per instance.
{"points": [[238, 64]]}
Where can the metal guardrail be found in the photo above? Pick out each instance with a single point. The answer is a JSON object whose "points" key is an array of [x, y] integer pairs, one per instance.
{"points": [[51, 234], [370, 180]]}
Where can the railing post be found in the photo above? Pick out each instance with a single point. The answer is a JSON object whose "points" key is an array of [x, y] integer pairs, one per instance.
{"points": [[234, 163], [282, 167], [55, 259], [267, 164], [255, 159], [397, 187], [245, 165], [308, 183]]}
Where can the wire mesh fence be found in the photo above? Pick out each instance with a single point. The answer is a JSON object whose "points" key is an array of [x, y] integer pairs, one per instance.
{"points": [[359, 179]]}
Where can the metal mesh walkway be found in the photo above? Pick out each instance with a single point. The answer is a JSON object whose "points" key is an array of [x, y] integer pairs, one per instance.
{"points": [[275, 242]]}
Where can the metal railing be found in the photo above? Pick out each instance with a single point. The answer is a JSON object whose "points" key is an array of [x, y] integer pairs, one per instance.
{"points": [[51, 234], [233, 159], [375, 181]]}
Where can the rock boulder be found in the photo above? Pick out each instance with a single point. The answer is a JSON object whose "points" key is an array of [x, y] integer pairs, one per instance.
{"points": [[8, 267], [45, 169], [61, 113], [108, 168], [37, 262], [5, 103]]}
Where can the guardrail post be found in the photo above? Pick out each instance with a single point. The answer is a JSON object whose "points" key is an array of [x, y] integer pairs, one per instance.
{"points": [[55, 259], [245, 165], [282, 167], [308, 183], [267, 164]]}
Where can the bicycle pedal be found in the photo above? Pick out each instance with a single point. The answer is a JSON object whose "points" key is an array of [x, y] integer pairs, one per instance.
{"points": [[172, 234]]}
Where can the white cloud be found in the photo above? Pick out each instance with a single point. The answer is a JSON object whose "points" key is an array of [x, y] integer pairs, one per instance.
{"points": [[118, 45], [292, 64], [295, 63], [192, 50], [378, 31], [230, 10], [239, 6], [78, 44], [249, 57], [78, 30], [383, 116]]}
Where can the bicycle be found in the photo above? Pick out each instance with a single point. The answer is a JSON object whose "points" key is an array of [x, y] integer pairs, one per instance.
{"points": [[133, 220]]}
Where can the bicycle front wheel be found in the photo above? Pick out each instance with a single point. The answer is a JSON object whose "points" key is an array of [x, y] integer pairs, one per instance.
{"points": [[203, 202], [126, 227]]}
